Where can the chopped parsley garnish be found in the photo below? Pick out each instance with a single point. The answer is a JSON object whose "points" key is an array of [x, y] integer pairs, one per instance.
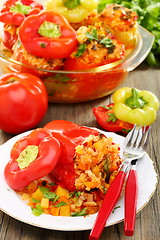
{"points": [[37, 211], [107, 42], [35, 200], [48, 194], [63, 203], [49, 30], [112, 117], [71, 4], [102, 39], [106, 107], [81, 50], [81, 213], [21, 8], [75, 194], [93, 35], [61, 78]]}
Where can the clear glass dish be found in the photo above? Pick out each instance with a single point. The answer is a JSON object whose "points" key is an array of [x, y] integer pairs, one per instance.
{"points": [[85, 85]]}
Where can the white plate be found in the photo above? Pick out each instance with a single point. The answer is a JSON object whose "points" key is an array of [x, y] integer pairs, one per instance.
{"points": [[11, 204]]}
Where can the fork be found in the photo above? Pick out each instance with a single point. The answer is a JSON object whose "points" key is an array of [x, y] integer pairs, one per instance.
{"points": [[134, 144], [131, 184]]}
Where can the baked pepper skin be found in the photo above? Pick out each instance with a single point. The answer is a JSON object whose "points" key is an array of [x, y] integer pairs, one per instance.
{"points": [[70, 135], [49, 151], [9, 16], [106, 118], [13, 14], [135, 106], [43, 45]]}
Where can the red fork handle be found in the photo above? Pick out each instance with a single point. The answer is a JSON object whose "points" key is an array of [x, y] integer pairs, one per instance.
{"points": [[111, 197], [130, 203]]}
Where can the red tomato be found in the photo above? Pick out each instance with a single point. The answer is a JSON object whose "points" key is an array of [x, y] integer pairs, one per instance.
{"points": [[107, 120], [47, 47], [23, 102]]}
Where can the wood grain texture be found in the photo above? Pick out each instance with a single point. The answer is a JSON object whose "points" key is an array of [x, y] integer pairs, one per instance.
{"points": [[148, 220]]}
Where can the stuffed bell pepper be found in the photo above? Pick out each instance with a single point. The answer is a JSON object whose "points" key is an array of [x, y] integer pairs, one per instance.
{"points": [[45, 39], [13, 14], [63, 169]]}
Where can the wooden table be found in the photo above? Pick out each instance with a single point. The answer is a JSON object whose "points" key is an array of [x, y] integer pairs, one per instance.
{"points": [[148, 220]]}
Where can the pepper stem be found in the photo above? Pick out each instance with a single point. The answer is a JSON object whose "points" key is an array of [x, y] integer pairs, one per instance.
{"points": [[135, 101]]}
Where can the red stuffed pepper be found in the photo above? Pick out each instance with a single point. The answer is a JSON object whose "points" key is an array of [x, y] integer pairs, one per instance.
{"points": [[70, 135], [13, 14], [108, 121], [48, 35], [32, 157], [88, 158]]}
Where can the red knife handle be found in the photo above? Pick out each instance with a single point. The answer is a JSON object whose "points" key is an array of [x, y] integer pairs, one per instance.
{"points": [[111, 197], [131, 190]]}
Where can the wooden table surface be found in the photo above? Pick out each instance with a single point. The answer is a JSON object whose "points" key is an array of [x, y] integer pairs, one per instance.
{"points": [[148, 220]]}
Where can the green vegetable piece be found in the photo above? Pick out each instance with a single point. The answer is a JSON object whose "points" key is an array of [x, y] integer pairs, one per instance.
{"points": [[81, 213], [106, 166], [37, 211], [107, 42], [21, 8], [81, 50], [75, 194], [63, 203], [135, 101], [49, 30], [35, 200], [93, 35], [106, 107], [27, 156], [71, 4], [112, 117], [49, 194]]}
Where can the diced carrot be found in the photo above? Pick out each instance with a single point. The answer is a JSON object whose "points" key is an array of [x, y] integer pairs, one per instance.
{"points": [[65, 210], [63, 199], [55, 211], [32, 187]]}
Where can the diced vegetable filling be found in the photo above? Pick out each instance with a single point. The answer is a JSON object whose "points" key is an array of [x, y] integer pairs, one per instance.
{"points": [[96, 163]]}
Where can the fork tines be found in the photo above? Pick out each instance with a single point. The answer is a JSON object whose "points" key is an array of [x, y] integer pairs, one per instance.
{"points": [[137, 137]]}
